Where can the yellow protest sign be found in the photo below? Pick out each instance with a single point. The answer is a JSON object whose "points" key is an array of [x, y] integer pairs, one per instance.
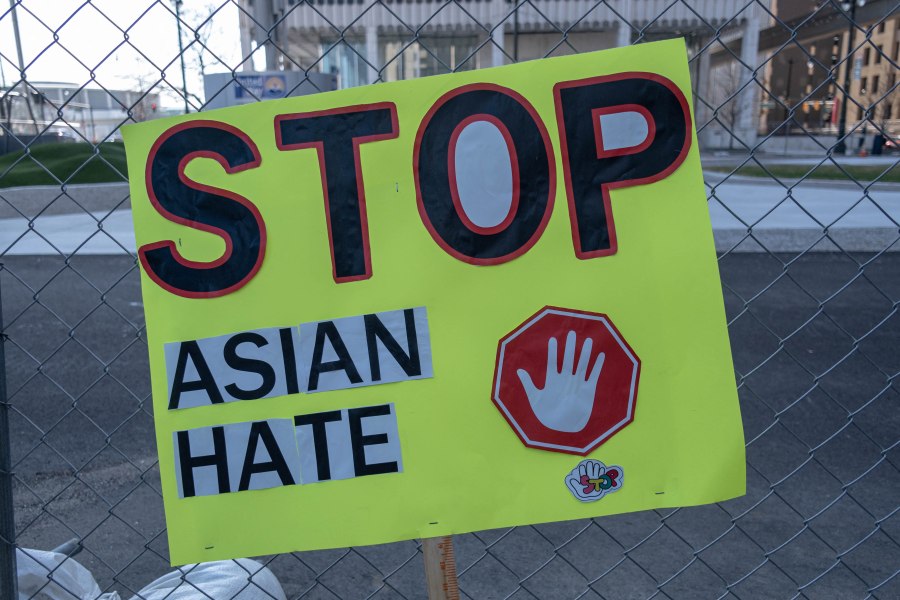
{"points": [[435, 306]]}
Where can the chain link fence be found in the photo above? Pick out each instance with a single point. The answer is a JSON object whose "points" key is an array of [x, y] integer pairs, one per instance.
{"points": [[796, 107]]}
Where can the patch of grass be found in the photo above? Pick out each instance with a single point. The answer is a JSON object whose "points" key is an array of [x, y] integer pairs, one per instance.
{"points": [[829, 172], [68, 163]]}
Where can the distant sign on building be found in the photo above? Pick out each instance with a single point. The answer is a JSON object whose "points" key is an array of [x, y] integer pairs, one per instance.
{"points": [[225, 89]]}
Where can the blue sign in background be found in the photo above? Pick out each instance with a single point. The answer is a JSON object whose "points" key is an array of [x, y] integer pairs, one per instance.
{"points": [[263, 87]]}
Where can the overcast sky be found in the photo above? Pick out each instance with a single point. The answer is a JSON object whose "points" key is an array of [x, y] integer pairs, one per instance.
{"points": [[90, 37]]}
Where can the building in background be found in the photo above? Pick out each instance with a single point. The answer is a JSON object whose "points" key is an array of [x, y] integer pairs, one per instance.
{"points": [[801, 68], [400, 39], [53, 111]]}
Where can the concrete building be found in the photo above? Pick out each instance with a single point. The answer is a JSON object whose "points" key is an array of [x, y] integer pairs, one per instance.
{"points": [[69, 111], [365, 42]]}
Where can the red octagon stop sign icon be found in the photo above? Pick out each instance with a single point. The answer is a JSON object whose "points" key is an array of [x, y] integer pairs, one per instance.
{"points": [[566, 380]]}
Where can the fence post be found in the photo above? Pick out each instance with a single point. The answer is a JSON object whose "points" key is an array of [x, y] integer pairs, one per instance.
{"points": [[7, 520]]}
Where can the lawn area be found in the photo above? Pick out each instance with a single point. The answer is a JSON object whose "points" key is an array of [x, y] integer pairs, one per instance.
{"points": [[69, 163], [830, 172]]}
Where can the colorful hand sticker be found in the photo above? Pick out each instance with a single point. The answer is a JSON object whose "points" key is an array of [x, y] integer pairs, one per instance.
{"points": [[567, 398], [591, 480]]}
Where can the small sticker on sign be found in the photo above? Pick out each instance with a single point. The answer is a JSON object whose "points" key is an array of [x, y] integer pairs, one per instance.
{"points": [[591, 480]]}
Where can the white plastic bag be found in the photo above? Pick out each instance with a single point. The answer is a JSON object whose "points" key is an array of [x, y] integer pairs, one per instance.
{"points": [[240, 579], [46, 575]]}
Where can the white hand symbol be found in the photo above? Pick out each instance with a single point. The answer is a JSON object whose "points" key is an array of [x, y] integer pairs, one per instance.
{"points": [[567, 399]]}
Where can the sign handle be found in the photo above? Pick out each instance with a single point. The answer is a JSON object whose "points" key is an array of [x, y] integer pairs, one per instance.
{"points": [[440, 568]]}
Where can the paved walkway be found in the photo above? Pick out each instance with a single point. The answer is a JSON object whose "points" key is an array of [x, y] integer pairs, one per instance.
{"points": [[781, 220], [86, 233], [795, 220]]}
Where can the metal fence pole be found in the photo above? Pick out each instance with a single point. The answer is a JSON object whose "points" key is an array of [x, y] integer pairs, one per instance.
{"points": [[7, 520]]}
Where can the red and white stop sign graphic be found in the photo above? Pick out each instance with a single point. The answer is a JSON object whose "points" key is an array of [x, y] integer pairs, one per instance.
{"points": [[566, 380]]}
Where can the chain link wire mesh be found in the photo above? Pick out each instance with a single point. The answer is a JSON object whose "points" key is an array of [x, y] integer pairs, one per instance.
{"points": [[809, 268]]}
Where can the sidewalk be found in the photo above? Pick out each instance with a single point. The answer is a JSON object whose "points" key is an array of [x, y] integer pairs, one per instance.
{"points": [[796, 219], [781, 220]]}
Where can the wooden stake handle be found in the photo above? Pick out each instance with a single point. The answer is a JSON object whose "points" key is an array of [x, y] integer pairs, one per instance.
{"points": [[440, 568]]}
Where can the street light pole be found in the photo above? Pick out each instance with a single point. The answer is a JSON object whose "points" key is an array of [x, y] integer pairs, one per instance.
{"points": [[516, 33], [841, 146], [187, 106], [787, 91], [15, 25], [788, 109]]}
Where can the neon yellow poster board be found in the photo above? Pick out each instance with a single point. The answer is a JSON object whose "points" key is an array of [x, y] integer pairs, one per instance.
{"points": [[435, 306]]}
